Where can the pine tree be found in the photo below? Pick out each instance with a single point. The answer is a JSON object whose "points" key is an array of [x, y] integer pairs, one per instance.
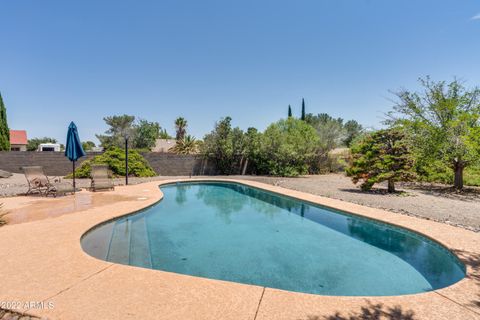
{"points": [[303, 110], [289, 111], [384, 155], [4, 131]]}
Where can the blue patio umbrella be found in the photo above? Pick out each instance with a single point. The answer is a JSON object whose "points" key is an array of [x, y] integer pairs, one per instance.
{"points": [[73, 149]]}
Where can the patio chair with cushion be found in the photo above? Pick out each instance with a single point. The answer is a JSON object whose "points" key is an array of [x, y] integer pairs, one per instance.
{"points": [[38, 182], [100, 178]]}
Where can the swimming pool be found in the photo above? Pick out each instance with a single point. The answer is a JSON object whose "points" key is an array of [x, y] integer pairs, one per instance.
{"points": [[234, 232]]}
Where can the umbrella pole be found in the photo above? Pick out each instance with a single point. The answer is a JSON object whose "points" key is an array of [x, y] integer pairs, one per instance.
{"points": [[74, 189]]}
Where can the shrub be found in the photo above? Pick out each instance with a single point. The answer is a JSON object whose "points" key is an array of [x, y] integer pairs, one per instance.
{"points": [[115, 159], [287, 148], [382, 156]]}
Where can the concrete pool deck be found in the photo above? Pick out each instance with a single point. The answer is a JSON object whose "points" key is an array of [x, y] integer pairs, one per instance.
{"points": [[41, 260]]}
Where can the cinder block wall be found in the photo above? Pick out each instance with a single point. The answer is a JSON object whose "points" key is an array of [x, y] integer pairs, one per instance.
{"points": [[56, 164], [167, 164]]}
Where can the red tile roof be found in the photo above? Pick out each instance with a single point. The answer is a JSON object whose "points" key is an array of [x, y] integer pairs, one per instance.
{"points": [[18, 137]]}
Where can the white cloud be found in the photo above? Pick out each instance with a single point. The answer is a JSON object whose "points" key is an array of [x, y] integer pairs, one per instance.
{"points": [[477, 17]]}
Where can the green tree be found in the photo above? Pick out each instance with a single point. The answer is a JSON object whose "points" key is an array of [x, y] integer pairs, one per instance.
{"points": [[289, 111], [303, 110], [444, 123], [146, 134], [88, 145], [119, 126], [287, 148], [4, 130], [163, 134], [35, 142], [384, 155], [180, 128], [352, 130], [330, 131], [188, 145], [219, 146], [252, 150]]}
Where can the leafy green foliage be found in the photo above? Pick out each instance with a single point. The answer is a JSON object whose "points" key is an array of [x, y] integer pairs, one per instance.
{"points": [[4, 130], [444, 124], [146, 134], [353, 129], [188, 145], [252, 152], [115, 159], [119, 127], [330, 131], [289, 111], [163, 134], [142, 134], [88, 145], [287, 147], [35, 142], [333, 132], [219, 146], [382, 156]]}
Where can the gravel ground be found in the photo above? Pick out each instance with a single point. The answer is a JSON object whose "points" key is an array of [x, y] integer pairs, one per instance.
{"points": [[434, 202]]}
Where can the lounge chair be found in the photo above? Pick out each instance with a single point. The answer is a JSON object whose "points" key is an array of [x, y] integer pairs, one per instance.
{"points": [[100, 178], [38, 182]]}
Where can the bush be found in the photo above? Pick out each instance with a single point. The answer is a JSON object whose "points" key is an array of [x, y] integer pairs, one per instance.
{"points": [[382, 156], [288, 147], [115, 159], [438, 172], [472, 176]]}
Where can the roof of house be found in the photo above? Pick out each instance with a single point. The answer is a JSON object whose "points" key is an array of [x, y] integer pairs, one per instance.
{"points": [[18, 137]]}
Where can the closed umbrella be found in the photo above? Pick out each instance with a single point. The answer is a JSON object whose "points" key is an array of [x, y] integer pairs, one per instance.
{"points": [[73, 149]]}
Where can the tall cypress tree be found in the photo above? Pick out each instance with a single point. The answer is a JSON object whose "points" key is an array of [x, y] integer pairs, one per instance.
{"points": [[289, 111], [4, 131], [303, 110]]}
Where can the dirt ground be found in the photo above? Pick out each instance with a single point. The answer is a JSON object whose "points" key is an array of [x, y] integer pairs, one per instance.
{"points": [[433, 202]]}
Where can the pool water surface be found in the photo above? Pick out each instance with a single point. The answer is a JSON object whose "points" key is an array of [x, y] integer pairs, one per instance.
{"points": [[233, 232]]}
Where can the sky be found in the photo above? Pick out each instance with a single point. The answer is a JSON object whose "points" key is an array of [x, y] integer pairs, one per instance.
{"points": [[203, 60]]}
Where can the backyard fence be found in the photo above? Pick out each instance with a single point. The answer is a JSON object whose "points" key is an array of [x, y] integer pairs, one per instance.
{"points": [[56, 164]]}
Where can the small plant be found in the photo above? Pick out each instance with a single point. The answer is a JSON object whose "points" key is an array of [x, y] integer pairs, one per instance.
{"points": [[187, 145]]}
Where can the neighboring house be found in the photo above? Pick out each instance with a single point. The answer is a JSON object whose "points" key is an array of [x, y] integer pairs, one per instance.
{"points": [[18, 140], [49, 147], [164, 145]]}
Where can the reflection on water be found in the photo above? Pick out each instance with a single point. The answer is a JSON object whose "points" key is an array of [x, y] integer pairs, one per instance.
{"points": [[431, 260], [181, 194]]}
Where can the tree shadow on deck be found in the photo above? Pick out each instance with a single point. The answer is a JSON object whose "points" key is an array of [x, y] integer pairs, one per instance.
{"points": [[472, 260], [371, 312]]}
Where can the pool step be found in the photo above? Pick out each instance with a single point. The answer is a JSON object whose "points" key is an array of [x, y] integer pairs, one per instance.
{"points": [[139, 244], [119, 250]]}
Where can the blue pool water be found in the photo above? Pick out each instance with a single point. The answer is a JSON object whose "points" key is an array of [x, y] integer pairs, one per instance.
{"points": [[237, 233]]}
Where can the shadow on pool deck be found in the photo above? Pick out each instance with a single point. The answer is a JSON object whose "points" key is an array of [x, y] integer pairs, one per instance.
{"points": [[472, 260], [371, 312]]}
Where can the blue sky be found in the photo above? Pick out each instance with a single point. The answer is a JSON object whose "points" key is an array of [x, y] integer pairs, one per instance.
{"points": [[83, 60]]}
